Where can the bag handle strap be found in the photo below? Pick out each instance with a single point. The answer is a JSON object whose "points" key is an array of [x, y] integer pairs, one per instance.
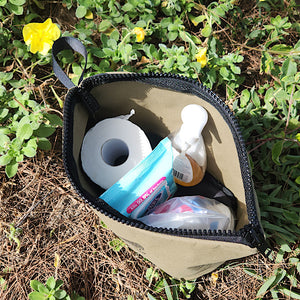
{"points": [[74, 44], [61, 44]]}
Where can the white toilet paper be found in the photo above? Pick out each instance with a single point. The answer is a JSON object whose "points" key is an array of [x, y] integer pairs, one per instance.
{"points": [[111, 148]]}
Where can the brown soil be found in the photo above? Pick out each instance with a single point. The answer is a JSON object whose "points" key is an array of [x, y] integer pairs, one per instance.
{"points": [[55, 221]]}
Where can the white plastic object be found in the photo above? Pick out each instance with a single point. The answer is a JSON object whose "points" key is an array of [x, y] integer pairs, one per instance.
{"points": [[189, 152], [191, 212]]}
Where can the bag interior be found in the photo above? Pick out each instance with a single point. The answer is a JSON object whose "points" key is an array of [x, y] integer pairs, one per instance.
{"points": [[157, 113]]}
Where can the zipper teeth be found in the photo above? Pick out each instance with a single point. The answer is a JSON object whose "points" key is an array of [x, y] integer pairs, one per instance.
{"points": [[229, 118]]}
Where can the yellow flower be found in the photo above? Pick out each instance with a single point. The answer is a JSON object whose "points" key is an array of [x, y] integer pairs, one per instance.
{"points": [[89, 15], [214, 277], [40, 36], [140, 34], [201, 57]]}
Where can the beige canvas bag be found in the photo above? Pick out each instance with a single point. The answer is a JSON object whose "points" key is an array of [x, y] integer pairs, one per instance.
{"points": [[158, 100]]}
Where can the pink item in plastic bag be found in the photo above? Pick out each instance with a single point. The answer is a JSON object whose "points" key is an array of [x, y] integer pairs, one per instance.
{"points": [[191, 212]]}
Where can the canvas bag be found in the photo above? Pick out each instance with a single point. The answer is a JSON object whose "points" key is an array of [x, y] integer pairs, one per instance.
{"points": [[158, 100]]}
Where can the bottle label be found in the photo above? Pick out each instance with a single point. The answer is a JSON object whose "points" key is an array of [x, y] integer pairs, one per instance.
{"points": [[182, 169]]}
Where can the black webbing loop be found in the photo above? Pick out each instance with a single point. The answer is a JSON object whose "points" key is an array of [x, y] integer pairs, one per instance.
{"points": [[74, 44], [64, 43]]}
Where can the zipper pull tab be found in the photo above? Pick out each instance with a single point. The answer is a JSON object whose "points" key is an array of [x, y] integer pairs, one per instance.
{"points": [[254, 235]]}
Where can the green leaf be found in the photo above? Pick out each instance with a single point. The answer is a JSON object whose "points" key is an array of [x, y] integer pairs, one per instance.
{"points": [[116, 244], [58, 284], [255, 34], [282, 48], [235, 69], [169, 62], [60, 294], [3, 113], [3, 285], [175, 289], [17, 2], [55, 120], [197, 20], [255, 99], [32, 143], [24, 132], [277, 228], [35, 284], [267, 63], [127, 7], [24, 120], [245, 98], [4, 130], [150, 297], [168, 290], [36, 296], [43, 289], [253, 273], [291, 294], [104, 25], [279, 276], [264, 288], [206, 31], [44, 144], [190, 286], [3, 2], [181, 60], [224, 73], [29, 151], [274, 294], [115, 35], [149, 274], [159, 285], [19, 158], [289, 67], [172, 35], [80, 11], [172, 27], [11, 169], [276, 151], [5, 159], [286, 248], [44, 131], [50, 283]]}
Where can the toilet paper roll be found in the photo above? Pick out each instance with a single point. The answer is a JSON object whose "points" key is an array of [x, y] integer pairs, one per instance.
{"points": [[111, 148]]}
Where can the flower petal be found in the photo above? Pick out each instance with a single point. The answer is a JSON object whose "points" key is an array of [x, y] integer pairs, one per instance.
{"points": [[40, 36], [201, 57], [140, 34]]}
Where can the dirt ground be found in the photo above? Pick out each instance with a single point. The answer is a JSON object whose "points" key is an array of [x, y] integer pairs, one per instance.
{"points": [[55, 222]]}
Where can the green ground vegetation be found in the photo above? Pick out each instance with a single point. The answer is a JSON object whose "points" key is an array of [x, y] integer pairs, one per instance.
{"points": [[252, 62]]}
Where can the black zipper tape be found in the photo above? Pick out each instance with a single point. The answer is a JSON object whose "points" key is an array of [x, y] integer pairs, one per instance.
{"points": [[251, 235]]}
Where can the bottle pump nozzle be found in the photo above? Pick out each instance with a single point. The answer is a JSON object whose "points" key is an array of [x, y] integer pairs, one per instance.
{"points": [[194, 118]]}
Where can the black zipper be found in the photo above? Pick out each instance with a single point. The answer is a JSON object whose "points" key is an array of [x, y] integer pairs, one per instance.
{"points": [[251, 234]]}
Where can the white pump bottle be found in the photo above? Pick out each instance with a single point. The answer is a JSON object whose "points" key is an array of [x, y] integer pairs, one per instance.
{"points": [[189, 154]]}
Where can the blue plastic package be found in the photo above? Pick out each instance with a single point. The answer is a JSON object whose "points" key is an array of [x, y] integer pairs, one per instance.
{"points": [[147, 185]]}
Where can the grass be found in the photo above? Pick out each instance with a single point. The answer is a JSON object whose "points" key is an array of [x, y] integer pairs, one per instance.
{"points": [[46, 230]]}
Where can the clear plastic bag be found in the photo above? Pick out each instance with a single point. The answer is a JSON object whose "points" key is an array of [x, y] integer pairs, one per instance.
{"points": [[191, 212]]}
